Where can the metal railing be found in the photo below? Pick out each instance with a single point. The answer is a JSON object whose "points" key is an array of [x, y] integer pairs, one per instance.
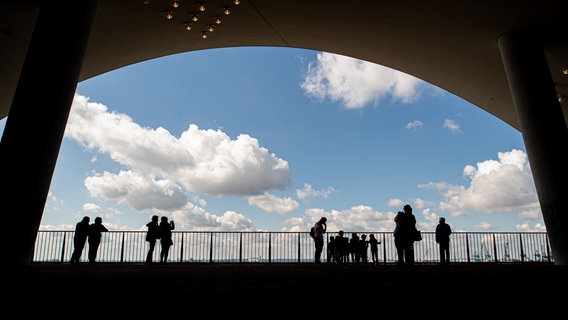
{"points": [[291, 247]]}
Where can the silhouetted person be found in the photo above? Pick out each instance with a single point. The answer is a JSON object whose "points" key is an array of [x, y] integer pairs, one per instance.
{"points": [[95, 233], [331, 250], [152, 235], [80, 239], [443, 232], [374, 244], [354, 248], [364, 248], [404, 232], [341, 244], [320, 228], [166, 238]]}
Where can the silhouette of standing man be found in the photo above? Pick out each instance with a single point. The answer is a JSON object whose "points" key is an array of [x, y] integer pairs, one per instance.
{"points": [[152, 235], [80, 238], [320, 228], [95, 234], [443, 232]]}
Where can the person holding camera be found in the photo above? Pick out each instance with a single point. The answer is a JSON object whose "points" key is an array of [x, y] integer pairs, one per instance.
{"points": [[166, 240]]}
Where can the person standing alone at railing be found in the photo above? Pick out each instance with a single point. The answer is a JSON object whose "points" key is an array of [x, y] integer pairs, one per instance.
{"points": [[320, 227], [443, 232], [152, 235], [95, 234], [80, 238]]}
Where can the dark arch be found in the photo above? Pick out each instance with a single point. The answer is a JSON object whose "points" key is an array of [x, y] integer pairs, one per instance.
{"points": [[479, 52]]}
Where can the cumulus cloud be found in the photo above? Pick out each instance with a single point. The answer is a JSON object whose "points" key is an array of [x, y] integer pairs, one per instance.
{"points": [[413, 125], [356, 83], [452, 125], [496, 186], [137, 191], [359, 218], [309, 192], [160, 167], [270, 203], [194, 218]]}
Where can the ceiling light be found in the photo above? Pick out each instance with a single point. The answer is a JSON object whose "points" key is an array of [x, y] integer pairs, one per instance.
{"points": [[175, 3], [561, 98], [204, 34], [210, 28], [565, 70], [188, 26], [237, 2], [201, 6], [227, 11], [169, 15], [218, 20], [194, 17]]}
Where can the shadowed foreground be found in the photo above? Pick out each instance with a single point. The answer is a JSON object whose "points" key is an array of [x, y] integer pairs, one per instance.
{"points": [[281, 285]]}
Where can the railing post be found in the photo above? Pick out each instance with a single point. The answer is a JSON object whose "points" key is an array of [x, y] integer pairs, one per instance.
{"points": [[467, 247], [63, 247], [270, 247], [122, 248], [522, 248], [495, 249], [299, 247], [181, 249], [384, 249], [240, 247], [211, 247]]}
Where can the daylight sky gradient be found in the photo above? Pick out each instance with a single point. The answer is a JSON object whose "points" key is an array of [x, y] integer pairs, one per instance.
{"points": [[260, 138]]}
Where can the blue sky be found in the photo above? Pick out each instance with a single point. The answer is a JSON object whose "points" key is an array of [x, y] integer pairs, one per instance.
{"points": [[263, 138]]}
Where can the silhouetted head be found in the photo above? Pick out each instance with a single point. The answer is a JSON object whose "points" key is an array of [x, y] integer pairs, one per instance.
{"points": [[86, 219], [164, 219], [340, 232], [98, 220], [407, 208], [155, 218]]}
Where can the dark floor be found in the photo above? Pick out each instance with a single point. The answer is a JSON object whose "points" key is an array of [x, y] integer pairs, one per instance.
{"points": [[290, 285]]}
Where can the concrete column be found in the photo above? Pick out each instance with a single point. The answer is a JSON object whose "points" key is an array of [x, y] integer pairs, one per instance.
{"points": [[544, 130], [37, 119]]}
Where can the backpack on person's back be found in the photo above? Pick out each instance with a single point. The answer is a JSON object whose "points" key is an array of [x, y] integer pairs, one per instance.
{"points": [[313, 232]]}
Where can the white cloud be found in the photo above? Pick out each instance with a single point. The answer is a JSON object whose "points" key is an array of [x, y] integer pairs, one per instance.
{"points": [[137, 191], [191, 217], [356, 83], [413, 125], [452, 125], [200, 161], [497, 186], [270, 203], [359, 218], [309, 192]]}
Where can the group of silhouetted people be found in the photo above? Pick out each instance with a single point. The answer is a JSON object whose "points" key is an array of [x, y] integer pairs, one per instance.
{"points": [[163, 232], [341, 249], [87, 232], [93, 232]]}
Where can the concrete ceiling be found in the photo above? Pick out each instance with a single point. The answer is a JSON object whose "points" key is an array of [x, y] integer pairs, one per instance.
{"points": [[447, 43]]}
